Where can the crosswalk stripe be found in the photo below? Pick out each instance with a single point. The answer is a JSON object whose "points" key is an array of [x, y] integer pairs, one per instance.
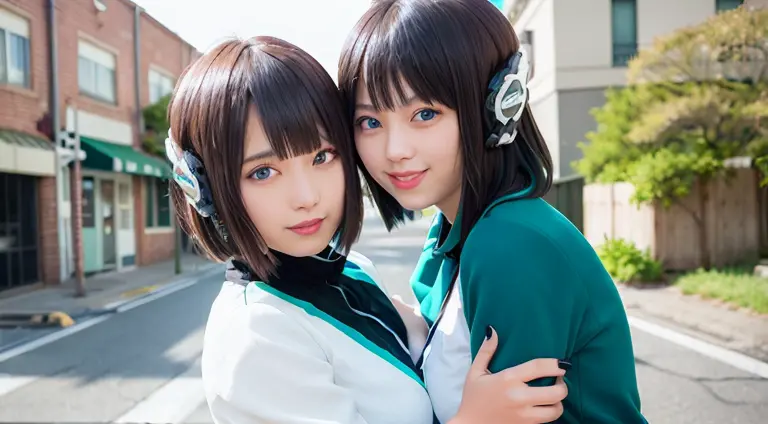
{"points": [[172, 403], [9, 383]]}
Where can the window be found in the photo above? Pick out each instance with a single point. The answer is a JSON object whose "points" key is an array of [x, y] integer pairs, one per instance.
{"points": [[624, 31], [14, 50], [96, 72], [160, 85], [723, 5], [157, 204]]}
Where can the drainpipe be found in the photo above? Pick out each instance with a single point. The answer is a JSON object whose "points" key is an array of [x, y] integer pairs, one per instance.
{"points": [[54, 108], [137, 67]]}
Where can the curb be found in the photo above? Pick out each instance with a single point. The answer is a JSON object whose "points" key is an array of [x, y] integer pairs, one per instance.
{"points": [[36, 319], [93, 317], [62, 319]]}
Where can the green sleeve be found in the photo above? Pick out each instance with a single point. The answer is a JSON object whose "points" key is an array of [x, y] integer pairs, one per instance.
{"points": [[523, 286], [548, 296]]}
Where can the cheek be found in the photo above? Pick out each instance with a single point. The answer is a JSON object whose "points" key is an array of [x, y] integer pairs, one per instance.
{"points": [[371, 151], [263, 215]]}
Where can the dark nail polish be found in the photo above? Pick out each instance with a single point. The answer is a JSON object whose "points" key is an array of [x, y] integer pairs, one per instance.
{"points": [[488, 333], [564, 365]]}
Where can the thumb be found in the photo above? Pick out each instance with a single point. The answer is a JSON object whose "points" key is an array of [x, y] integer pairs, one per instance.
{"points": [[485, 354]]}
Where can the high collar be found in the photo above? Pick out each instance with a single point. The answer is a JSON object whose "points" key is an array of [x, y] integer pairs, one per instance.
{"points": [[326, 266], [448, 242]]}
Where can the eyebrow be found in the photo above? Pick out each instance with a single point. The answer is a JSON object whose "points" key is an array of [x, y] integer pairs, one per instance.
{"points": [[259, 156], [369, 107]]}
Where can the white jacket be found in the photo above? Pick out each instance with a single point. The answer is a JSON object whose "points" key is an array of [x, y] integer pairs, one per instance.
{"points": [[272, 358]]}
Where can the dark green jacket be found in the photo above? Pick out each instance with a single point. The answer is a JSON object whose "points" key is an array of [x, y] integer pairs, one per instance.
{"points": [[529, 273]]}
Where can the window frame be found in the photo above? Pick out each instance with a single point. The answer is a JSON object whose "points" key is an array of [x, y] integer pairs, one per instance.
{"points": [[97, 68], [621, 53], [15, 25], [153, 77], [156, 198]]}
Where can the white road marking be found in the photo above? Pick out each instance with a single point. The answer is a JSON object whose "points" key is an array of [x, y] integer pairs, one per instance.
{"points": [[172, 403], [729, 357], [9, 383]]}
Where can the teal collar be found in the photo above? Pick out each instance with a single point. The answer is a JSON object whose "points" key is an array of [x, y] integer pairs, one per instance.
{"points": [[454, 234]]}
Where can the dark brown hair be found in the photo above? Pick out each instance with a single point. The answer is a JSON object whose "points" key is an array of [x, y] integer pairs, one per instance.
{"points": [[294, 98], [446, 51]]}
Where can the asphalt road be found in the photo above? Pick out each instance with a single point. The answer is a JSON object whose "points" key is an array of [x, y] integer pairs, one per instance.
{"points": [[142, 366]]}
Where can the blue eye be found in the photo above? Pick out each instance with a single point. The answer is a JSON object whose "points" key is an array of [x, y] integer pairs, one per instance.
{"points": [[324, 157], [427, 115], [372, 123], [262, 174]]}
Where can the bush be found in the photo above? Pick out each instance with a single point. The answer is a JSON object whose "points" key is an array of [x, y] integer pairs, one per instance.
{"points": [[626, 263], [736, 286]]}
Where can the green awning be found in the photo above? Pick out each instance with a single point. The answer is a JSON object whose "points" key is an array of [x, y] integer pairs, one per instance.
{"points": [[112, 157]]}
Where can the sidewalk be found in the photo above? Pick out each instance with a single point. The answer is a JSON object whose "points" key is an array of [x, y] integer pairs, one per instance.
{"points": [[104, 290], [714, 322]]}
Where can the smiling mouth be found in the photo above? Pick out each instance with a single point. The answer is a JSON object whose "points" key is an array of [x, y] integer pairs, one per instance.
{"points": [[406, 180], [307, 228]]}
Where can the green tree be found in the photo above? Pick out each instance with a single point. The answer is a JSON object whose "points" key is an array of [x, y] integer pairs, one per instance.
{"points": [[698, 99], [156, 126]]}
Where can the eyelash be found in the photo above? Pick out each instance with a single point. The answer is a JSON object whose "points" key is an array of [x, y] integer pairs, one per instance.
{"points": [[362, 119], [268, 165]]}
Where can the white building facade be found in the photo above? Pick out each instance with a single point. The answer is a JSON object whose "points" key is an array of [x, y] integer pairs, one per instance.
{"points": [[580, 48]]}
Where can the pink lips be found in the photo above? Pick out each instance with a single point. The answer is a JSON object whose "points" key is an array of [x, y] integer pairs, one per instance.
{"points": [[307, 228], [406, 180]]}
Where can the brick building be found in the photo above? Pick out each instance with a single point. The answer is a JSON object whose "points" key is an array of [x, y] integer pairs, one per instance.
{"points": [[112, 59]]}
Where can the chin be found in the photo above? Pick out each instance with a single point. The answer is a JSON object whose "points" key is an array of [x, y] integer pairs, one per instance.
{"points": [[307, 247], [414, 202]]}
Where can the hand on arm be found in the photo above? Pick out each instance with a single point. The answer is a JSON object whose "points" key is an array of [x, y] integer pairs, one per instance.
{"points": [[505, 397]]}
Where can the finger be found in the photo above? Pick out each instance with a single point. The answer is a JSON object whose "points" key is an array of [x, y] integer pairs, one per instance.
{"points": [[485, 354], [532, 370], [545, 414], [541, 396]]}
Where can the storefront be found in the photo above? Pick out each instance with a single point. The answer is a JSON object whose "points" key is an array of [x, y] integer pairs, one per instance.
{"points": [[24, 161], [109, 234]]}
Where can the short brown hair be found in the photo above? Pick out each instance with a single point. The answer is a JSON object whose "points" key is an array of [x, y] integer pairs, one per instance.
{"points": [[446, 51], [294, 98]]}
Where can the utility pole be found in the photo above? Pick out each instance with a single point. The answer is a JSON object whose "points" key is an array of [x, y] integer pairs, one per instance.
{"points": [[177, 242], [76, 184]]}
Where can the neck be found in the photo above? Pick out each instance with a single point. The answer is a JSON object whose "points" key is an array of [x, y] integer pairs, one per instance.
{"points": [[449, 206]]}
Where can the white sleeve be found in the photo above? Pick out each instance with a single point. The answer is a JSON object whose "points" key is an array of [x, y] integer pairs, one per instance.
{"points": [[277, 374]]}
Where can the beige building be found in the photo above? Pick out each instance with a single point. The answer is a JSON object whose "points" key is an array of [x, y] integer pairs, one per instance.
{"points": [[581, 47]]}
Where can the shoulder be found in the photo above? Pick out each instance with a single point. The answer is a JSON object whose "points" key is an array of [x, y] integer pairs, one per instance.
{"points": [[524, 245], [356, 259], [530, 228], [246, 319], [245, 336], [359, 267]]}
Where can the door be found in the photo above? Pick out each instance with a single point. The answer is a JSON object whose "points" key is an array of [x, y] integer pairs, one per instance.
{"points": [[108, 227], [91, 241], [126, 236]]}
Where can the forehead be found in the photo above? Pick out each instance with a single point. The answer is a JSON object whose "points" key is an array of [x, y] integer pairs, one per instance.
{"points": [[256, 139], [400, 91]]}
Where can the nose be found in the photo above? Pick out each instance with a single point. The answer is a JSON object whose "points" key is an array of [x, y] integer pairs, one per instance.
{"points": [[399, 146], [304, 192]]}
